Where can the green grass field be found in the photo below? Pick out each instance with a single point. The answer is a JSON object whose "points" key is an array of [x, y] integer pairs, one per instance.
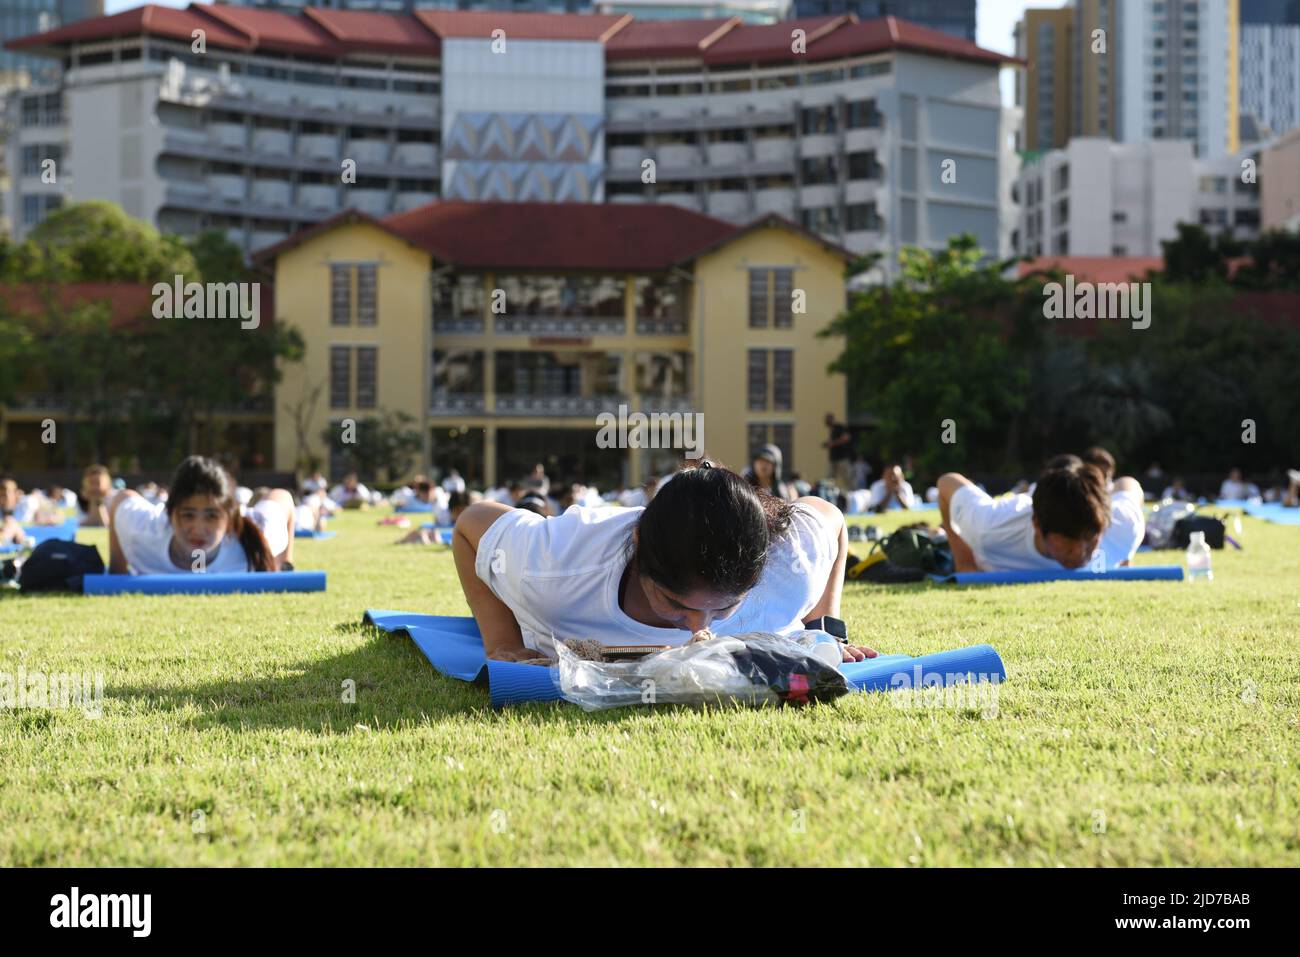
{"points": [[1143, 723]]}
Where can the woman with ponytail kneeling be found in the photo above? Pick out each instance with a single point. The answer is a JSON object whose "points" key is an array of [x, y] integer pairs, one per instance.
{"points": [[200, 528]]}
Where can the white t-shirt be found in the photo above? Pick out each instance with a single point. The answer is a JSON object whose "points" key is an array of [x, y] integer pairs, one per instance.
{"points": [[342, 496], [1000, 531], [1236, 491], [560, 576], [906, 498], [145, 532]]}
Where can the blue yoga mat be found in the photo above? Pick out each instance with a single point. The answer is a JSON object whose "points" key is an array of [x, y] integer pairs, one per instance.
{"points": [[1274, 512], [204, 584], [308, 533], [415, 507], [1128, 573], [444, 531], [454, 647], [44, 533], [10, 549]]}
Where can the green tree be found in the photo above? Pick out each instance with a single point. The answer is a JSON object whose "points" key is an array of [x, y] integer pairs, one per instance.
{"points": [[935, 344], [385, 444], [96, 241]]}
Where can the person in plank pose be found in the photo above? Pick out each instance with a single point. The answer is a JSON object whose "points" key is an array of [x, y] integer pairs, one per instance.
{"points": [[1070, 521], [201, 527], [708, 551]]}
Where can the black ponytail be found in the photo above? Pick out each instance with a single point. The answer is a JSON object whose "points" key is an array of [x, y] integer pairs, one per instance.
{"points": [[202, 476], [708, 528]]}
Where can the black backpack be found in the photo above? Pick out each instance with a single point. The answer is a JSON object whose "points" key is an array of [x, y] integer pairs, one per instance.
{"points": [[1213, 528], [56, 565]]}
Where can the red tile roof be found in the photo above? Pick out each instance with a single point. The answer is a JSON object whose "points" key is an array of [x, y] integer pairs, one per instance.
{"points": [[522, 26], [334, 33], [377, 32], [771, 41], [1094, 268], [271, 30], [596, 237], [891, 33], [667, 39], [128, 302]]}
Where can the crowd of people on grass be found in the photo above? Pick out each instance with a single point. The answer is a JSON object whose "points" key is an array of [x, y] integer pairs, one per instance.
{"points": [[700, 549]]}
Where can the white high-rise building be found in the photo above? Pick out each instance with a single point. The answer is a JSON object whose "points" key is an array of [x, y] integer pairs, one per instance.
{"points": [[1178, 73], [1270, 75], [875, 134], [1101, 198]]}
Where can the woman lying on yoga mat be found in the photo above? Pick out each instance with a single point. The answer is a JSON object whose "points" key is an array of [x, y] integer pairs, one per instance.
{"points": [[709, 551], [200, 527]]}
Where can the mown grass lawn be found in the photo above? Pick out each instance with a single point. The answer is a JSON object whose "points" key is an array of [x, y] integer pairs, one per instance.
{"points": [[1142, 724]]}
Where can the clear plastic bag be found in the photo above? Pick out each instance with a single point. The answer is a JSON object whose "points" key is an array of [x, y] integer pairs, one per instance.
{"points": [[751, 669]]}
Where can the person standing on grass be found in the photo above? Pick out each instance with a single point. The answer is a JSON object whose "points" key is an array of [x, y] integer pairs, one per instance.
{"points": [[840, 446], [201, 527], [1068, 518], [708, 551]]}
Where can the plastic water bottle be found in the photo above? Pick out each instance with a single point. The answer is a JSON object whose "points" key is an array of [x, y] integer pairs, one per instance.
{"points": [[1198, 559], [824, 647]]}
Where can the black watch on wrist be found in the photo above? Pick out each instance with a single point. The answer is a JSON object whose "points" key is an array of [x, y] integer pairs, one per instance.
{"points": [[832, 626]]}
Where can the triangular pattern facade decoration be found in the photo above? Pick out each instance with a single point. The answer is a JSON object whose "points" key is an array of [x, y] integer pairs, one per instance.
{"points": [[546, 157]]}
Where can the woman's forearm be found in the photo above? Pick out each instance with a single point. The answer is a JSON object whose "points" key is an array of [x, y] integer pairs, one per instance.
{"points": [[496, 622], [829, 603]]}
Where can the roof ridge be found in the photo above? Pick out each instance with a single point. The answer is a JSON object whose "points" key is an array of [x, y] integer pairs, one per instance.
{"points": [[723, 29], [616, 27], [210, 10]]}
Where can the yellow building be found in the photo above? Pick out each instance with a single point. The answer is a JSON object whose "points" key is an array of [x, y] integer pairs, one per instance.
{"points": [[512, 332]]}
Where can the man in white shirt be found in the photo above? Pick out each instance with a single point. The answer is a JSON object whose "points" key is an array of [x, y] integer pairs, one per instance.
{"points": [[350, 493], [891, 491], [453, 482], [1069, 522], [1235, 489]]}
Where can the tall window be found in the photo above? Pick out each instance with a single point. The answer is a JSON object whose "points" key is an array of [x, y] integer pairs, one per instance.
{"points": [[367, 376], [771, 292], [782, 379], [354, 293], [757, 379], [340, 377]]}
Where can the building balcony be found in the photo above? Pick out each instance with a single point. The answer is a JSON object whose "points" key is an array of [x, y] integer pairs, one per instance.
{"points": [[272, 192], [371, 201], [444, 403], [727, 154], [575, 405], [322, 146], [668, 404], [367, 151], [407, 201], [774, 149], [684, 200], [318, 196], [277, 142], [453, 325], [679, 155], [662, 325], [560, 325], [416, 154], [266, 237], [779, 201], [228, 188], [230, 135], [627, 157], [729, 204]]}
